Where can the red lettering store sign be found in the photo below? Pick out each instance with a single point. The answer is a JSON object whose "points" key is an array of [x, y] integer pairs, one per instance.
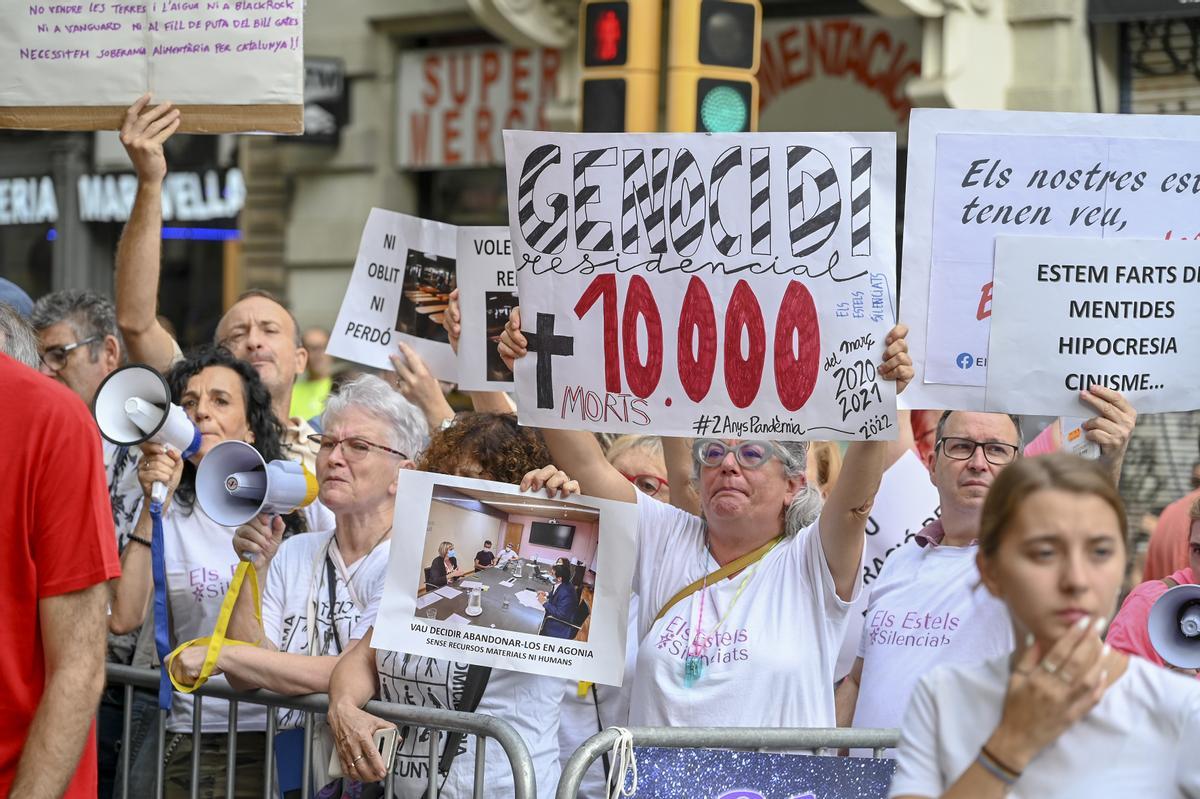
{"points": [[455, 101], [837, 73]]}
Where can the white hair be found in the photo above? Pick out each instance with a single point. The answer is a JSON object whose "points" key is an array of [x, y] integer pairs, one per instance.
{"points": [[17, 339], [806, 505], [405, 423]]}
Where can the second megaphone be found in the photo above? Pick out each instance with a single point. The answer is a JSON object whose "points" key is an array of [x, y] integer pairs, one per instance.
{"points": [[133, 405], [234, 484], [1174, 626]]}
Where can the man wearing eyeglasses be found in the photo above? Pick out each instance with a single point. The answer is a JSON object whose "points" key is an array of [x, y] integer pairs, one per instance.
{"points": [[927, 606]]}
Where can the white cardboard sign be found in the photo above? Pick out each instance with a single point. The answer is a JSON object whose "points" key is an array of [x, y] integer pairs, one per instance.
{"points": [[1068, 313], [975, 175], [907, 502], [506, 625], [733, 285], [487, 292], [400, 286]]}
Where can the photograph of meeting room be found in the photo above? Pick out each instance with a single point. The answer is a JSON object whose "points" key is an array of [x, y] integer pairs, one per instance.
{"points": [[510, 562], [425, 295], [497, 307]]}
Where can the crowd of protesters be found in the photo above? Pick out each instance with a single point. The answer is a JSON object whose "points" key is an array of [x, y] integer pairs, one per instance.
{"points": [[760, 540]]}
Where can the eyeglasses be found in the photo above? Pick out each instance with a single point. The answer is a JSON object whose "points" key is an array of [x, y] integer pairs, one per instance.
{"points": [[648, 484], [963, 449], [353, 449], [55, 358], [749, 454]]}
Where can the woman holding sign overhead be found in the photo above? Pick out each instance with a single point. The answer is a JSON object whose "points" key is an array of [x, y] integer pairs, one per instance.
{"points": [[756, 590]]}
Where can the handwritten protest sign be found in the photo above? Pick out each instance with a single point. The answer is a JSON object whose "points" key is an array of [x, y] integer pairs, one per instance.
{"points": [[516, 614], [487, 292], [705, 285], [231, 65], [975, 175], [906, 503], [399, 289], [1115, 313]]}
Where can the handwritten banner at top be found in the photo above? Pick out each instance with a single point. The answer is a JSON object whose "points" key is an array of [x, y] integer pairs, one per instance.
{"points": [[975, 175], [733, 285], [78, 64]]}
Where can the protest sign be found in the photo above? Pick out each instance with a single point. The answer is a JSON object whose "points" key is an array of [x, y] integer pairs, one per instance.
{"points": [[399, 289], [733, 285], [510, 616], [1113, 313], [230, 66], [725, 774], [487, 292], [906, 503], [974, 175]]}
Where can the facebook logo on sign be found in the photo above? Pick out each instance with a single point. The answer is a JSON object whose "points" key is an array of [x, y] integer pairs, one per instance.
{"points": [[964, 360]]}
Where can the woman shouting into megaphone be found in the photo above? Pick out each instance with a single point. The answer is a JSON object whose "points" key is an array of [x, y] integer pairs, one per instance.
{"points": [[225, 399]]}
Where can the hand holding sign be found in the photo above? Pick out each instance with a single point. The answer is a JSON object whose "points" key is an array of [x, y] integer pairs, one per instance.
{"points": [[144, 132]]}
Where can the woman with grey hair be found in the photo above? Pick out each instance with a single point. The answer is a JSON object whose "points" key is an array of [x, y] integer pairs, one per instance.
{"points": [[316, 586], [753, 592]]}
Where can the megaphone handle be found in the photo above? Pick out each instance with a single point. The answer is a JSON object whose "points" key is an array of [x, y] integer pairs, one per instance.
{"points": [[249, 556], [158, 493]]}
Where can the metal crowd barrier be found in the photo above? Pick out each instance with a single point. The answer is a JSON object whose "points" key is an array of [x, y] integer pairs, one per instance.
{"points": [[814, 740], [434, 720]]}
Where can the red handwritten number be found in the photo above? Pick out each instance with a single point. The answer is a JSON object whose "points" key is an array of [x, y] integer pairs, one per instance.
{"points": [[796, 368], [743, 375], [639, 301], [605, 286], [796, 374], [696, 369]]}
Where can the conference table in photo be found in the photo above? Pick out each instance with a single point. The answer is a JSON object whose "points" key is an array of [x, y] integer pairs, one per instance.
{"points": [[518, 616]]}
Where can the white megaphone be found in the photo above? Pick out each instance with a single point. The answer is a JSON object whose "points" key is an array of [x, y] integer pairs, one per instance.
{"points": [[1174, 626], [133, 405], [234, 484]]}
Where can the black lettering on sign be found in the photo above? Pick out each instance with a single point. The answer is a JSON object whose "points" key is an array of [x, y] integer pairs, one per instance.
{"points": [[547, 345], [644, 199], [591, 234], [376, 302], [545, 236], [813, 215], [389, 241], [726, 244]]}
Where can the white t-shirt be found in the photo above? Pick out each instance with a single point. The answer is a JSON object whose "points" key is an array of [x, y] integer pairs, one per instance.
{"points": [[297, 587], [526, 701], [1141, 740], [927, 609], [784, 630], [200, 565], [602, 707]]}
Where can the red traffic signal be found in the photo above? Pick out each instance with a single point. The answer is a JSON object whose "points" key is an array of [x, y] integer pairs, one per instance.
{"points": [[606, 40]]}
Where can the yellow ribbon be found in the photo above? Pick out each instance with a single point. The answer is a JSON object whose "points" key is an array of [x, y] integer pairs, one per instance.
{"points": [[583, 689], [217, 640]]}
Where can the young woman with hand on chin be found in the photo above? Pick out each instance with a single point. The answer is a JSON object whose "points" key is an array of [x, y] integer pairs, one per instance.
{"points": [[1065, 716]]}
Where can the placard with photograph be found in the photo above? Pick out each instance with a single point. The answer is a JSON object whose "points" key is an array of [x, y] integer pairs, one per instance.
{"points": [[483, 573], [487, 293]]}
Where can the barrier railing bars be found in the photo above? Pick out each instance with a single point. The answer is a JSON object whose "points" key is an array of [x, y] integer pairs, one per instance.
{"points": [[814, 740], [435, 720]]}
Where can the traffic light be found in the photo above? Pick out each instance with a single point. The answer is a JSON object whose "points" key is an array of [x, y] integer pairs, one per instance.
{"points": [[619, 53], [712, 57]]}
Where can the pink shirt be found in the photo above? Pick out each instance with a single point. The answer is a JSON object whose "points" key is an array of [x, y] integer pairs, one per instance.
{"points": [[1128, 632]]}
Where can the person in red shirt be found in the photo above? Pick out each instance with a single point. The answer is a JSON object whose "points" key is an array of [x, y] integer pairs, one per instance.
{"points": [[1129, 631], [1168, 552], [57, 552]]}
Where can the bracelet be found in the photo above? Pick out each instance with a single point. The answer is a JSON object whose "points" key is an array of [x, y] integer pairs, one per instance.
{"points": [[997, 769], [143, 541]]}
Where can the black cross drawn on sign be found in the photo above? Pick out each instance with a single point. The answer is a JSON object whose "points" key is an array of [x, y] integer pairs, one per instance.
{"points": [[547, 345]]}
